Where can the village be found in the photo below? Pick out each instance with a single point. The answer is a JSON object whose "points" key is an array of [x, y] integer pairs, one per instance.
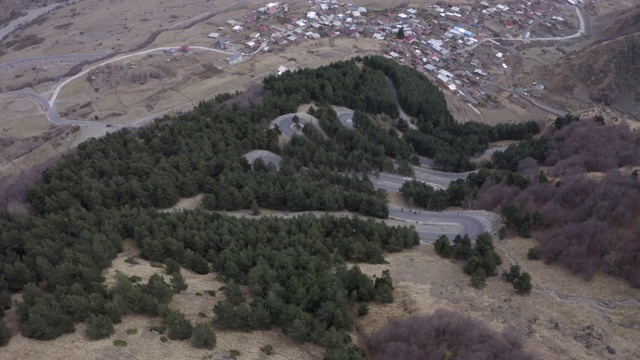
{"points": [[468, 50]]}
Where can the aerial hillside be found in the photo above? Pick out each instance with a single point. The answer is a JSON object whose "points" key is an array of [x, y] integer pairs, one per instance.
{"points": [[607, 71], [623, 23]]}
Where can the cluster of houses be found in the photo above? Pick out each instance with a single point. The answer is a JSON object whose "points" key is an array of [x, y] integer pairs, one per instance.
{"points": [[457, 45]]}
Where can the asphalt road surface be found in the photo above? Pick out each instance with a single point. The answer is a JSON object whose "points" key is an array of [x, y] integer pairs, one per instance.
{"points": [[345, 116], [289, 128], [430, 225], [267, 156], [52, 115]]}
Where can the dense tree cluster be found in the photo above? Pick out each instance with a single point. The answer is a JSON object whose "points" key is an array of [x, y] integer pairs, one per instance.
{"points": [[111, 187], [439, 135], [446, 335], [341, 83], [459, 192], [511, 157], [585, 218], [562, 121], [521, 280], [365, 149], [586, 146], [481, 259]]}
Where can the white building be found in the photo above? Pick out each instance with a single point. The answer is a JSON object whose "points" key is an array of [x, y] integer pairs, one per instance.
{"points": [[235, 58]]}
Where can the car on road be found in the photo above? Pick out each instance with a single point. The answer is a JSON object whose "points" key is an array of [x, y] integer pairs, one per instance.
{"points": [[109, 125]]}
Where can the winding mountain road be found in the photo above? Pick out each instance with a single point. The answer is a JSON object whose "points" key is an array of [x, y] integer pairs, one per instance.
{"points": [[49, 105], [429, 224], [52, 115], [58, 88]]}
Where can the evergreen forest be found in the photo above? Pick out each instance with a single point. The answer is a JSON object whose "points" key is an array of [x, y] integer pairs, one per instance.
{"points": [[299, 271]]}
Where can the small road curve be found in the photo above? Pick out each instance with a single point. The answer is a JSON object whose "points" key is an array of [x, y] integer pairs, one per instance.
{"points": [[289, 128], [81, 57], [52, 115], [56, 91], [267, 156], [450, 223], [393, 182], [493, 150], [345, 116], [440, 178]]}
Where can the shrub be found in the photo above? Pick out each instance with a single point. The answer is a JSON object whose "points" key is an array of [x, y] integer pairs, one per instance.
{"points": [[233, 353], [120, 343], [267, 349], [512, 274], [180, 327], [502, 233], [178, 282], [203, 336], [5, 333], [431, 337], [171, 266], [159, 329], [99, 327], [363, 309], [163, 339], [523, 284], [521, 281], [534, 253], [211, 292], [479, 279], [132, 331], [442, 246]]}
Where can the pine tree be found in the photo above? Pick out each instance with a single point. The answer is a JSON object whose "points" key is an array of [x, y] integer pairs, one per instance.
{"points": [[442, 246], [180, 328], [5, 333], [255, 210], [204, 337], [178, 282], [479, 279], [234, 294], [401, 33], [523, 284], [99, 327]]}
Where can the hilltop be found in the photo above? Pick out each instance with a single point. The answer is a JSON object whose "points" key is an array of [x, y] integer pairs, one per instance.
{"points": [[606, 71]]}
